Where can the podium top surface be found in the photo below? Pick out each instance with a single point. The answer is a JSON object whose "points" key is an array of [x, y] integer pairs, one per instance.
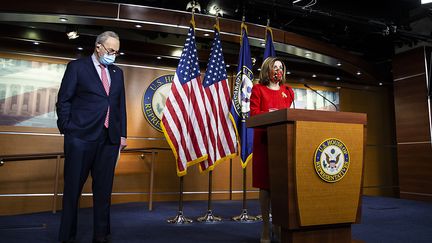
{"points": [[291, 115]]}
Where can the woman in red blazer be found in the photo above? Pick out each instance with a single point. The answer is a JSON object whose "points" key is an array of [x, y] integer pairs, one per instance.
{"points": [[268, 95]]}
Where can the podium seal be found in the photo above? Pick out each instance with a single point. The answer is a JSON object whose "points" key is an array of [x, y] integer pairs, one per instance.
{"points": [[154, 99], [331, 160]]}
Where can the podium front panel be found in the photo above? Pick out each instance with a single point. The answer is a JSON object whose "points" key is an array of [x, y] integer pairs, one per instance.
{"points": [[329, 198]]}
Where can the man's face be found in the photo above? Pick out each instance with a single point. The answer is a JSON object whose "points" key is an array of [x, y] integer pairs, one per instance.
{"points": [[110, 46]]}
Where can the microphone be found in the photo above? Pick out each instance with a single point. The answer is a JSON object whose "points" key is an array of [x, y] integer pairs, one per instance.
{"points": [[309, 87], [291, 96]]}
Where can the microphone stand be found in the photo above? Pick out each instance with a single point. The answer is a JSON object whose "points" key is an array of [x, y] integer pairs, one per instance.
{"points": [[291, 96], [307, 86]]}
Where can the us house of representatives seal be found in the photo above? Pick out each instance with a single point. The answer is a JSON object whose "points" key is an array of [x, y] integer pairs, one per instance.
{"points": [[241, 93], [331, 160], [154, 99]]}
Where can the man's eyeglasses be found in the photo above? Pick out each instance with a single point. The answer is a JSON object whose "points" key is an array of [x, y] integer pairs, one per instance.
{"points": [[110, 51]]}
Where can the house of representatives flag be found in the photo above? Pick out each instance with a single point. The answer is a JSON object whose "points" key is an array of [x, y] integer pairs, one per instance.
{"points": [[222, 140], [184, 116], [269, 47], [241, 99]]}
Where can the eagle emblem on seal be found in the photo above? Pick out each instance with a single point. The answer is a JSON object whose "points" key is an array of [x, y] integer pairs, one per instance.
{"points": [[331, 160]]}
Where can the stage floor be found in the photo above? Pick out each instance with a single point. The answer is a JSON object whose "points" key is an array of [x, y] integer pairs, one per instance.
{"points": [[383, 220]]}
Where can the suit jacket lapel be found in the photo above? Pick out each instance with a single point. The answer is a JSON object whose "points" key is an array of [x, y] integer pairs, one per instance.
{"points": [[94, 75], [113, 76]]}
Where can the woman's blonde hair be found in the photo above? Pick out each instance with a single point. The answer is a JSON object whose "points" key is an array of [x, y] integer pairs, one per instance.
{"points": [[266, 67]]}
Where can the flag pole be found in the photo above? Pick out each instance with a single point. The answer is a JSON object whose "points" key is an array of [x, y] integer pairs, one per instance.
{"points": [[230, 182], [209, 217], [244, 217], [180, 218]]}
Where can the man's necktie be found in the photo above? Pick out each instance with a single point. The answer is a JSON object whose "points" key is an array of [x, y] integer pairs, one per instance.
{"points": [[106, 85]]}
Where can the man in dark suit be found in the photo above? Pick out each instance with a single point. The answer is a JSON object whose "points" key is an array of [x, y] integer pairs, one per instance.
{"points": [[91, 111]]}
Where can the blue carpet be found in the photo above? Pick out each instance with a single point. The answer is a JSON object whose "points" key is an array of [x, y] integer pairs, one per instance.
{"points": [[383, 220]]}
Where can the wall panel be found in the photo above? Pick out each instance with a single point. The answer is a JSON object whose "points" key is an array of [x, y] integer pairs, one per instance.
{"points": [[413, 125], [380, 165], [411, 109], [415, 171]]}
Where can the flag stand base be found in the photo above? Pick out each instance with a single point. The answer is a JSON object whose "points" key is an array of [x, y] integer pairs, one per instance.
{"points": [[259, 217], [244, 217], [209, 218], [180, 219]]}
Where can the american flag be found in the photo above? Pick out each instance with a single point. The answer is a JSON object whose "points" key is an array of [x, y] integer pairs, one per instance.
{"points": [[222, 140], [184, 117]]}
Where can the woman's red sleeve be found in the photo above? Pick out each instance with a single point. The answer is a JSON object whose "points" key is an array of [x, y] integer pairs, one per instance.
{"points": [[255, 101]]}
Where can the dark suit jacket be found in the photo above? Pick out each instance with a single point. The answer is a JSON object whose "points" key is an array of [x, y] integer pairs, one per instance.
{"points": [[82, 102]]}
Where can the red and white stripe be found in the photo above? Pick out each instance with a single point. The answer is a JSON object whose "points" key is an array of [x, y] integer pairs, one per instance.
{"points": [[222, 140], [185, 123]]}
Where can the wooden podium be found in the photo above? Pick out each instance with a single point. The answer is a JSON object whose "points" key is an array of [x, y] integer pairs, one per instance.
{"points": [[309, 204]]}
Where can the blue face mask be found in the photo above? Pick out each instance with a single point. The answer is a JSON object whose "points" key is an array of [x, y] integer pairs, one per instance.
{"points": [[107, 59]]}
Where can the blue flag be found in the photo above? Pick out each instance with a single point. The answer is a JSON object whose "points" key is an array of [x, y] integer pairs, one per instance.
{"points": [[240, 107], [269, 47]]}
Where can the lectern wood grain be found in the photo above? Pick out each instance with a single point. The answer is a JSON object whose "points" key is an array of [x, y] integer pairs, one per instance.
{"points": [[308, 208], [322, 202]]}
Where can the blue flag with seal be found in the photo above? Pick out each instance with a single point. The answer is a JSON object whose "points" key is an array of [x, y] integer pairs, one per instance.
{"points": [[269, 47], [240, 107]]}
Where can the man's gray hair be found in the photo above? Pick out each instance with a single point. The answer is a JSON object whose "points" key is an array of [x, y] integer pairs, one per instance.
{"points": [[100, 39]]}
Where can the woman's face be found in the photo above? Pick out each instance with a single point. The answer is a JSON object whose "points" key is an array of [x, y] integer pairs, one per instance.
{"points": [[276, 73]]}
